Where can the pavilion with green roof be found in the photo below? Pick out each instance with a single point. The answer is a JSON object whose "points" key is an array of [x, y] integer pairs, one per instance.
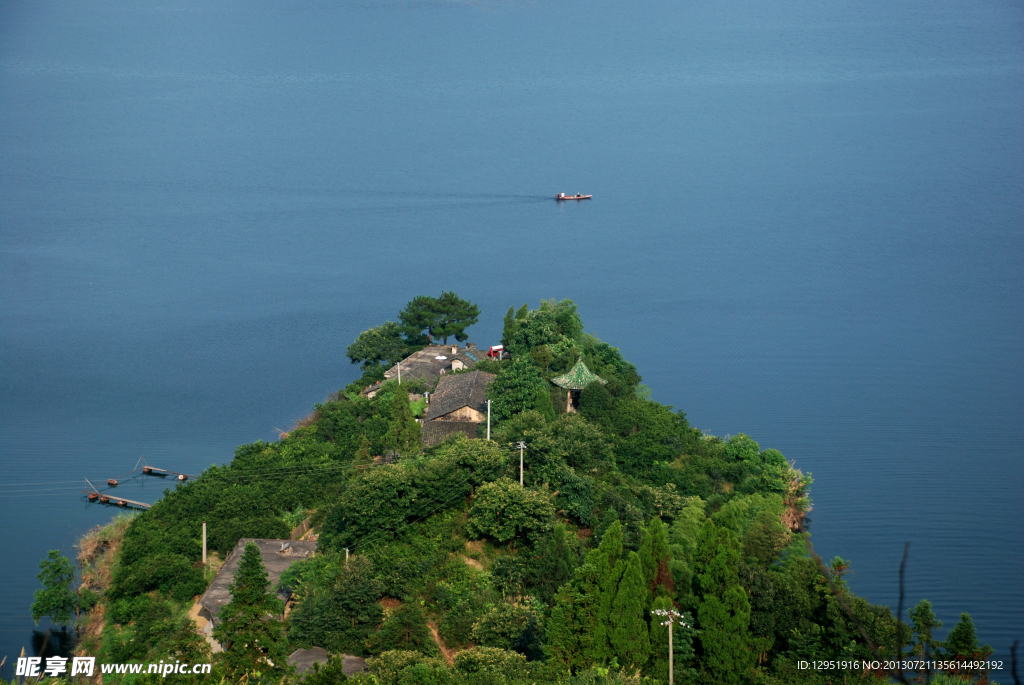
{"points": [[578, 377]]}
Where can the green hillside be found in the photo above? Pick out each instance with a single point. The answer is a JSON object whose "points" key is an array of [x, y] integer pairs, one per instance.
{"points": [[458, 574]]}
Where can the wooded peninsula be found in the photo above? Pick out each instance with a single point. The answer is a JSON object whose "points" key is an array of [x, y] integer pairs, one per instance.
{"points": [[469, 516]]}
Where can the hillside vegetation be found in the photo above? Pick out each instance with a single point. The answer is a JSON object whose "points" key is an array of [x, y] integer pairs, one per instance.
{"points": [[458, 574]]}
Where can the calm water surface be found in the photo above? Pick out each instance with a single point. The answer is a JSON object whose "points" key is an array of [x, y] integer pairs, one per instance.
{"points": [[806, 227]]}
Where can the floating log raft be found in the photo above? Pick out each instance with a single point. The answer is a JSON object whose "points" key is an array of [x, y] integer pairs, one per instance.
{"points": [[154, 471], [103, 498], [96, 496]]}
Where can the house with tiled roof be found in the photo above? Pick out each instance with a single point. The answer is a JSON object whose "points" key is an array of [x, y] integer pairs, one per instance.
{"points": [[457, 405], [433, 361]]}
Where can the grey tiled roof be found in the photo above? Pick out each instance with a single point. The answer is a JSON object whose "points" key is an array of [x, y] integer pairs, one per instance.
{"points": [[459, 390], [426, 366]]}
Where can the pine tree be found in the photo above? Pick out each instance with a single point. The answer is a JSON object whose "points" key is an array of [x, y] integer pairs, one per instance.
{"points": [[610, 564], [248, 628], [377, 346], [723, 613], [363, 459], [574, 619], [455, 315], [509, 322], [925, 624], [610, 517], [578, 630], [557, 561], [404, 435], [628, 630], [655, 556], [543, 405], [962, 645]]}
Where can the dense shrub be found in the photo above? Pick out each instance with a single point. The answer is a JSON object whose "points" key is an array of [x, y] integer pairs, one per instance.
{"points": [[342, 616], [382, 501], [504, 510], [168, 573], [404, 629]]}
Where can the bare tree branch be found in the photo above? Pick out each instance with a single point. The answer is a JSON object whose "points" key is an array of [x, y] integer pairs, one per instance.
{"points": [[899, 612]]}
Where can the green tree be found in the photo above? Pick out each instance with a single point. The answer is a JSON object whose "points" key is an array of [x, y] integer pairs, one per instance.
{"points": [[405, 629], [925, 624], [543, 405], [723, 612], [574, 619], [962, 646], [248, 628], [515, 388], [363, 458], [610, 564], [581, 444], [455, 315], [962, 641], [556, 324], [177, 639], [655, 557], [57, 598], [558, 559], [510, 318], [504, 510], [426, 318], [404, 434], [629, 633], [342, 617], [382, 345], [504, 623], [596, 403], [331, 673], [418, 316]]}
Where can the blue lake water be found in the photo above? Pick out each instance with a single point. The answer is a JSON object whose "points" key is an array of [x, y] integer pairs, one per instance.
{"points": [[806, 226]]}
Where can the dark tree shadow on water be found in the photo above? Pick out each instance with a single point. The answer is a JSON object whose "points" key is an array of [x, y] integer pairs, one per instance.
{"points": [[45, 643], [53, 642]]}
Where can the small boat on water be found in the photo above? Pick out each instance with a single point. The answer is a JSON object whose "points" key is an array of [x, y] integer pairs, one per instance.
{"points": [[577, 196]]}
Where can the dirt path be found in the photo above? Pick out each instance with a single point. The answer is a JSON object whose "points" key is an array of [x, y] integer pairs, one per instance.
{"points": [[449, 654]]}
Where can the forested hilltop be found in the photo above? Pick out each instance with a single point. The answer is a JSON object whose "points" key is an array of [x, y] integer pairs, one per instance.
{"points": [[440, 568]]}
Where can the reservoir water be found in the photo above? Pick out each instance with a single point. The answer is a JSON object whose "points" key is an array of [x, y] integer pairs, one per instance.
{"points": [[806, 226]]}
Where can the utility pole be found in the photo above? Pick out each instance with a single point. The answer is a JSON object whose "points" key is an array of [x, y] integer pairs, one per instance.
{"points": [[522, 446], [204, 543], [399, 372], [346, 557], [488, 420], [672, 617]]}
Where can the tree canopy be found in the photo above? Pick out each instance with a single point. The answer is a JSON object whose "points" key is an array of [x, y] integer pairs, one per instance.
{"points": [[57, 599], [381, 345], [515, 389], [429, 319]]}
